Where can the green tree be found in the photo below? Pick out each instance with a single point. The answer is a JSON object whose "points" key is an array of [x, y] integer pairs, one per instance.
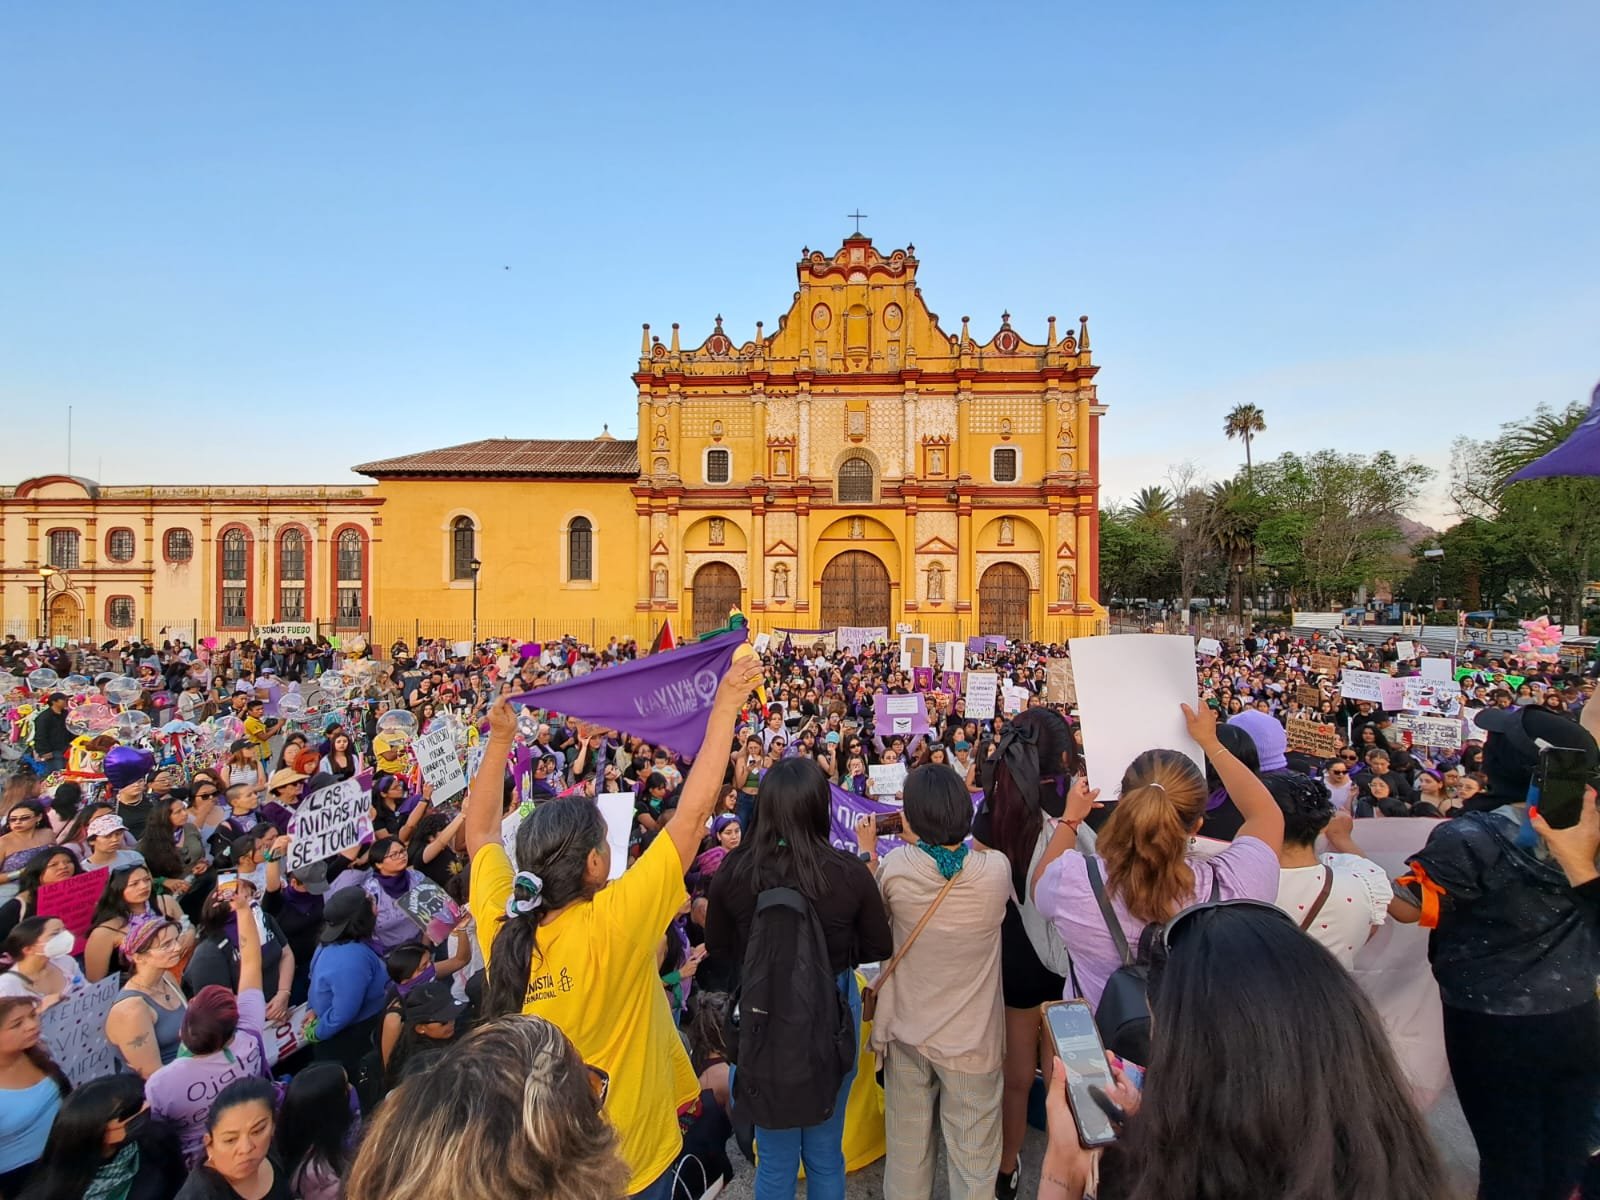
{"points": [[1152, 506], [1134, 559], [1553, 523], [1245, 421]]}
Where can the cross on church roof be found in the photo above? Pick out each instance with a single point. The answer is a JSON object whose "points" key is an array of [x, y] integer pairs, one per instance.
{"points": [[858, 216]]}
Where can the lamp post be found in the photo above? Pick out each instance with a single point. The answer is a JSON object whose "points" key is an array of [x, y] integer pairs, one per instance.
{"points": [[476, 566], [46, 574]]}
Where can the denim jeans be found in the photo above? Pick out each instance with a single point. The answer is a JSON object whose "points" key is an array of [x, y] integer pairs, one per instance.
{"points": [[661, 1189], [779, 1152]]}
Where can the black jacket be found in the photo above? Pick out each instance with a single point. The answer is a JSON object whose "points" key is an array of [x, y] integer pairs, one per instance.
{"points": [[50, 734]]}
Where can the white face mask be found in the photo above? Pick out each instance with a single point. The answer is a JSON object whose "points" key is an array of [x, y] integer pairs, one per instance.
{"points": [[58, 944]]}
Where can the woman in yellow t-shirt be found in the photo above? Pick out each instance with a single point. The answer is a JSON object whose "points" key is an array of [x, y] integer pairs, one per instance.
{"points": [[561, 944]]}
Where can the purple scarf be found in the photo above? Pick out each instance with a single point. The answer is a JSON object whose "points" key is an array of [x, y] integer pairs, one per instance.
{"points": [[395, 885]]}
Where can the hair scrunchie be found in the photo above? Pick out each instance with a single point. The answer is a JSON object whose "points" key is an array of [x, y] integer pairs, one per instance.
{"points": [[526, 890]]}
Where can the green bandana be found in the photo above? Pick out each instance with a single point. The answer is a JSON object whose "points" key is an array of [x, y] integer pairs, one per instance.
{"points": [[114, 1180], [947, 860]]}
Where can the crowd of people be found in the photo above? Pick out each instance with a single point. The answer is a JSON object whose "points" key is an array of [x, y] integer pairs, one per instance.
{"points": [[604, 1013]]}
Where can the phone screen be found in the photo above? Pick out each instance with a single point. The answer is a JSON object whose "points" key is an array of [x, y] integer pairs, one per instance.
{"points": [[1563, 775], [1079, 1048], [890, 823]]}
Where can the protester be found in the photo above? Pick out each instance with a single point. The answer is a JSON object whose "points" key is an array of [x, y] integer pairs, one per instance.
{"points": [[53, 866], [219, 947], [106, 839], [239, 1163], [129, 897], [514, 1111], [105, 1146], [940, 1018], [28, 836], [318, 1131], [32, 1088], [347, 980], [146, 1018], [387, 883], [557, 941], [38, 962]]}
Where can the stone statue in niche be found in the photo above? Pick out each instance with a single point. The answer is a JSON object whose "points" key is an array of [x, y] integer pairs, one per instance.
{"points": [[1007, 532], [780, 581], [718, 531], [661, 466], [780, 464], [1064, 586], [661, 437], [858, 527], [935, 583], [936, 461], [658, 582]]}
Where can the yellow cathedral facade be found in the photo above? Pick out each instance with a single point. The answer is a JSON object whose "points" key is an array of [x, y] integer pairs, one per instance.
{"points": [[859, 464]]}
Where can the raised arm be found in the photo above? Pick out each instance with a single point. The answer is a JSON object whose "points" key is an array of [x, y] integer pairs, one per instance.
{"points": [[482, 809], [688, 822], [249, 942], [1263, 818]]}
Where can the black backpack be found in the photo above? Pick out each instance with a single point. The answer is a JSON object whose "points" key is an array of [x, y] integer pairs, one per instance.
{"points": [[1123, 1015], [789, 1028]]}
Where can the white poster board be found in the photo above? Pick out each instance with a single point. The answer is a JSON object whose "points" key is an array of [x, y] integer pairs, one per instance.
{"points": [[330, 820], [887, 779], [1405, 651], [1209, 647], [1362, 685], [1129, 692], [1443, 669], [616, 808], [1013, 699], [952, 657], [74, 1031], [762, 641], [441, 769], [981, 689], [918, 647]]}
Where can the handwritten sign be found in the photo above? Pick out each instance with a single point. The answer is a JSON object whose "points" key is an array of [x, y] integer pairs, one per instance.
{"points": [[1432, 696], [1392, 692], [436, 758], [901, 716], [1443, 733], [1405, 651], [1313, 738], [1013, 699], [330, 820], [432, 910], [1060, 684], [1208, 647], [889, 779], [73, 900], [74, 1030], [1326, 664], [1362, 685], [1308, 694], [982, 687]]}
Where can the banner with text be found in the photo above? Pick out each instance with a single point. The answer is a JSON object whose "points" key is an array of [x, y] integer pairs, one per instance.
{"points": [[330, 820]]}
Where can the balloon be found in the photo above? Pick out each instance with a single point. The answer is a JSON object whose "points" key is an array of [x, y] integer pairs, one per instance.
{"points": [[132, 725], [91, 719], [291, 705], [43, 680], [123, 691], [8, 683], [76, 685], [398, 720], [449, 720], [580, 668], [559, 676], [355, 646], [225, 731], [125, 765]]}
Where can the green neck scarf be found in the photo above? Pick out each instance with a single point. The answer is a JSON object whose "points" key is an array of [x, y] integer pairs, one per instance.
{"points": [[947, 860]]}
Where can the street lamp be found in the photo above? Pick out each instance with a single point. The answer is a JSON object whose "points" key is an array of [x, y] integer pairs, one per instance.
{"points": [[46, 574], [1436, 554], [476, 565]]}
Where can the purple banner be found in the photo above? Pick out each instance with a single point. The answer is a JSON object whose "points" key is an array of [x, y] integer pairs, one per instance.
{"points": [[663, 698], [989, 642], [845, 808]]}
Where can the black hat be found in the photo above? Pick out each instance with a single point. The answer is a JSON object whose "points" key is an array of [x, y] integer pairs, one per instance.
{"points": [[432, 1002], [1511, 755], [342, 909]]}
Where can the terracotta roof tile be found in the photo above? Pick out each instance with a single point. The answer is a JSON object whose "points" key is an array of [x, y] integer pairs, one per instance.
{"points": [[517, 456]]}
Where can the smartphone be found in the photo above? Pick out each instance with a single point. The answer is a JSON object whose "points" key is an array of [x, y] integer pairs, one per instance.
{"points": [[1561, 779], [1081, 1052], [227, 881], [891, 823]]}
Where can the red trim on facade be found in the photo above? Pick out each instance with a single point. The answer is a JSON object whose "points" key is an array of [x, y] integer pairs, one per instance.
{"points": [[110, 558], [107, 611], [308, 549], [333, 572], [166, 555], [249, 573]]}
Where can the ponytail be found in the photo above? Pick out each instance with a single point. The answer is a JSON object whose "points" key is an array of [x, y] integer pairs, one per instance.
{"points": [[553, 846], [1145, 841]]}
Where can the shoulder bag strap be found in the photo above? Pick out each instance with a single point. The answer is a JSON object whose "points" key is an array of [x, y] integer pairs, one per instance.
{"points": [[1322, 896], [884, 974], [1113, 926]]}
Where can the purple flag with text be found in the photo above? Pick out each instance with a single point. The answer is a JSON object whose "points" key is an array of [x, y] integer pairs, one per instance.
{"points": [[663, 698]]}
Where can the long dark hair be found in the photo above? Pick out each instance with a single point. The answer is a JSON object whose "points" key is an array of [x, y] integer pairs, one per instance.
{"points": [[1038, 747], [28, 881], [553, 843], [159, 843], [1304, 1029], [111, 905], [38, 1054], [76, 1149], [315, 1118], [788, 843], [23, 934]]}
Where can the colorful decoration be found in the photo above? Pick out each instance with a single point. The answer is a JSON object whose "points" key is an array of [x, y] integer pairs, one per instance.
{"points": [[1542, 640]]}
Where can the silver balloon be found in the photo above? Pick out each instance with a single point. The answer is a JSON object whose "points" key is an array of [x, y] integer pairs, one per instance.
{"points": [[123, 691], [399, 720], [43, 679], [132, 726]]}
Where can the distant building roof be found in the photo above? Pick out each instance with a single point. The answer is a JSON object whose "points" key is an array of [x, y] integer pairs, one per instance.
{"points": [[527, 457]]}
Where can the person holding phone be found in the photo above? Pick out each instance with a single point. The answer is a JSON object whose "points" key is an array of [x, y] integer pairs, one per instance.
{"points": [[1516, 951]]}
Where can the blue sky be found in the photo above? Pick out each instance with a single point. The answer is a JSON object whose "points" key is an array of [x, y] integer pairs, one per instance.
{"points": [[263, 243]]}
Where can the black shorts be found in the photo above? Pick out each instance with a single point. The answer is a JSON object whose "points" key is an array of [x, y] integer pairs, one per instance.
{"points": [[1024, 980]]}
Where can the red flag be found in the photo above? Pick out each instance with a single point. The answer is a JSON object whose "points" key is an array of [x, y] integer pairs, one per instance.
{"points": [[664, 639]]}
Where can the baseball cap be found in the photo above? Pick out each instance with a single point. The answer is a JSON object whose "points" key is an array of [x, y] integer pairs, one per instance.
{"points": [[313, 877], [341, 911], [105, 823], [432, 1002]]}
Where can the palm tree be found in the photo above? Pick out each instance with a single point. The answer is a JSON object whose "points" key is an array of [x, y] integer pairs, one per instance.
{"points": [[1153, 506], [1245, 421], [1232, 516]]}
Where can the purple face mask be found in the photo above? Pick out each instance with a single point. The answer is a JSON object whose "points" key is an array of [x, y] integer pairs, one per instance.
{"points": [[426, 975]]}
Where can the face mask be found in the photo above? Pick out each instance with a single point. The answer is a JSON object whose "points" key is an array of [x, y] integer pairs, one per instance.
{"points": [[59, 943], [426, 975], [136, 1125]]}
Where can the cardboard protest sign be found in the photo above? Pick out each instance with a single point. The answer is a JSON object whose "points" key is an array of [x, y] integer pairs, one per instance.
{"points": [[1060, 685], [74, 1031], [1313, 738], [1129, 693], [899, 715], [887, 779], [1326, 664], [330, 820], [982, 687], [1442, 733], [73, 900], [1362, 685], [1208, 647], [1308, 694], [432, 910], [435, 752], [916, 650]]}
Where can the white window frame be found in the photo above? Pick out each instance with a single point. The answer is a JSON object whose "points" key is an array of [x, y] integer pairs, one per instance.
{"points": [[994, 476], [705, 466]]}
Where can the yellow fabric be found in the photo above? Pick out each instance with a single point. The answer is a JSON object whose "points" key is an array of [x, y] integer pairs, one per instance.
{"points": [[256, 730], [389, 755], [594, 975]]}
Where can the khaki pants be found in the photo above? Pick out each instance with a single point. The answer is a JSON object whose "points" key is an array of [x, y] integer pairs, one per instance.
{"points": [[968, 1107]]}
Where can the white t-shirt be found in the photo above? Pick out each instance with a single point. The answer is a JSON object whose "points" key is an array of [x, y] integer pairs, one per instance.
{"points": [[1358, 902], [13, 984]]}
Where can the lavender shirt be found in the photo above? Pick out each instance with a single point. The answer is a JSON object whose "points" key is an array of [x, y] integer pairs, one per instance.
{"points": [[182, 1091], [1246, 870]]}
